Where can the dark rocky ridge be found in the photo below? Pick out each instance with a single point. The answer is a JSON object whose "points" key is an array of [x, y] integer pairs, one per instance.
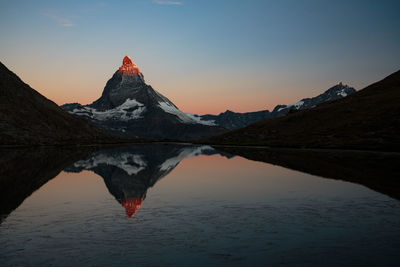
{"points": [[368, 119], [28, 118], [234, 120]]}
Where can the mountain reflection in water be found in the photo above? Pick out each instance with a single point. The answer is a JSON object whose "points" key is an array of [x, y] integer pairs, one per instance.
{"points": [[24, 170], [379, 171], [209, 210], [129, 172]]}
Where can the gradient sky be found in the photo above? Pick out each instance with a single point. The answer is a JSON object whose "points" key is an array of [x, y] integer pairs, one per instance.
{"points": [[205, 56]]}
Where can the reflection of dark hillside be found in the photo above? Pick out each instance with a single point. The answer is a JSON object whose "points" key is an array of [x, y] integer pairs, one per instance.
{"points": [[23, 171], [378, 171], [129, 172]]}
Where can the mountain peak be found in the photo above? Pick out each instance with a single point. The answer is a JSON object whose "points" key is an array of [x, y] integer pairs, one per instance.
{"points": [[129, 67]]}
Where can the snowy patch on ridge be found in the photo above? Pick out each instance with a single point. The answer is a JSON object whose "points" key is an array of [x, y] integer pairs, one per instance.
{"points": [[296, 106], [169, 108], [132, 164], [119, 113], [200, 120], [342, 93]]}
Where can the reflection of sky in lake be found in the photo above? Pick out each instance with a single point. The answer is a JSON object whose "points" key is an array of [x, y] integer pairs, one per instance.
{"points": [[209, 209]]}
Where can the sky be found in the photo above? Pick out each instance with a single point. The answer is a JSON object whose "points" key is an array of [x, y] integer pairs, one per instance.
{"points": [[206, 56]]}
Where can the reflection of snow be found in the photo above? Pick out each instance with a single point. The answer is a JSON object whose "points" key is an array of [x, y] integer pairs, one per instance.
{"points": [[122, 112], [186, 152], [130, 163]]}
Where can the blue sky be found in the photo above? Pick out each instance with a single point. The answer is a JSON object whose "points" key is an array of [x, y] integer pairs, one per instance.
{"points": [[206, 56]]}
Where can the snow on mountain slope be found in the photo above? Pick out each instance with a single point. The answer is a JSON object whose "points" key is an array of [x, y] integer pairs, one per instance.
{"points": [[199, 119], [167, 107], [338, 91], [235, 120], [129, 110], [296, 106]]}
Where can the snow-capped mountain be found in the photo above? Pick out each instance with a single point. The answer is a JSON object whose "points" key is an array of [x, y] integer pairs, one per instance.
{"points": [[233, 120], [365, 120], [336, 92], [130, 108]]}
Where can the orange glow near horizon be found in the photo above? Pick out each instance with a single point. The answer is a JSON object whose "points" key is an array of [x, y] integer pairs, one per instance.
{"points": [[67, 82], [203, 62], [193, 101]]}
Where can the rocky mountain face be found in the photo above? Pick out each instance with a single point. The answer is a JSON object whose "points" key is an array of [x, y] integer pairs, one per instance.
{"points": [[233, 120], [28, 118], [129, 172], [336, 92], [130, 108], [366, 120]]}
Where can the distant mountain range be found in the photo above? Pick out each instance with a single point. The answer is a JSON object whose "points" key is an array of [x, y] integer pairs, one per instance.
{"points": [[367, 119], [130, 108], [28, 118], [233, 120]]}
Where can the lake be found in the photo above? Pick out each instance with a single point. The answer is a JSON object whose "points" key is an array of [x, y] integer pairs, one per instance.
{"points": [[180, 205]]}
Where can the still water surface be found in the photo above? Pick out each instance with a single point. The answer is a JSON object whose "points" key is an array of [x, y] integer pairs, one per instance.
{"points": [[189, 205]]}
